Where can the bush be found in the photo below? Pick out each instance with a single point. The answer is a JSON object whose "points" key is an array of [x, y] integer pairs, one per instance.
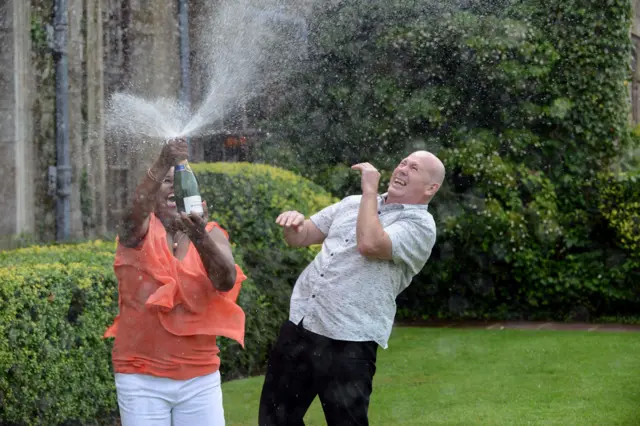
{"points": [[246, 199], [261, 329], [620, 205], [54, 365], [93, 253]]}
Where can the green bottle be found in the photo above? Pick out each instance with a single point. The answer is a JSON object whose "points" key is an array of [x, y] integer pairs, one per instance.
{"points": [[185, 188]]}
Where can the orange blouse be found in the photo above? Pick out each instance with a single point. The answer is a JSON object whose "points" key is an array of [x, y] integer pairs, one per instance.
{"points": [[170, 313]]}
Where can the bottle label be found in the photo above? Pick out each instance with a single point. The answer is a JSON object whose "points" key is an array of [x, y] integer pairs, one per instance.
{"points": [[193, 204]]}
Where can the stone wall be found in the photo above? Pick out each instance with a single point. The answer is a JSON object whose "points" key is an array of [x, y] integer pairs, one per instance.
{"points": [[112, 45], [143, 58]]}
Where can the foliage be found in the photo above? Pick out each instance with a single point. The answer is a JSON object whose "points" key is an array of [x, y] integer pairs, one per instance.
{"points": [[525, 102], [92, 253], [620, 206], [52, 318]]}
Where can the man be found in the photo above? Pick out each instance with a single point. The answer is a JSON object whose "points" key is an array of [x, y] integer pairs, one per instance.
{"points": [[343, 304]]}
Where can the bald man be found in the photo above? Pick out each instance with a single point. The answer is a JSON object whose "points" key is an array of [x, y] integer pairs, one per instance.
{"points": [[343, 304]]}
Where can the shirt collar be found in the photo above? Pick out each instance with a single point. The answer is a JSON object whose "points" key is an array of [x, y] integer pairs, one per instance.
{"points": [[396, 206]]}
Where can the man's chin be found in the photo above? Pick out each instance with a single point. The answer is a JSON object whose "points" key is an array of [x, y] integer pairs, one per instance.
{"points": [[393, 191]]}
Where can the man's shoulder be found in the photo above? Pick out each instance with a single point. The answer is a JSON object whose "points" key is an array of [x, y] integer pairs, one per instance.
{"points": [[351, 200], [421, 217]]}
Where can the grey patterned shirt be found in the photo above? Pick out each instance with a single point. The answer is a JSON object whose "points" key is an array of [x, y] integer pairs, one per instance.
{"points": [[346, 296]]}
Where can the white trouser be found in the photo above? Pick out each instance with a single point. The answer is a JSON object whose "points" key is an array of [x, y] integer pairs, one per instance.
{"points": [[156, 401]]}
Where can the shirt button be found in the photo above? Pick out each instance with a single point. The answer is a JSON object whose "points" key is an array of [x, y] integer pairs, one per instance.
{"points": [[313, 296], [379, 212], [346, 241], [331, 254], [322, 275]]}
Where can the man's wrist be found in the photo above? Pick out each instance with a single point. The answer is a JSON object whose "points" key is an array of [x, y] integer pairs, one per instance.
{"points": [[370, 194]]}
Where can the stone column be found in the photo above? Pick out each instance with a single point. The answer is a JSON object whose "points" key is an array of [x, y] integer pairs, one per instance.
{"points": [[95, 158], [16, 156], [75, 49]]}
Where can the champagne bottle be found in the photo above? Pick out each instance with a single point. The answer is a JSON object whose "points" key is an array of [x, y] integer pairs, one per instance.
{"points": [[185, 188]]}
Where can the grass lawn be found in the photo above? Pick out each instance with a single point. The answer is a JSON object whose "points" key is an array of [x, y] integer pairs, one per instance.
{"points": [[485, 377]]}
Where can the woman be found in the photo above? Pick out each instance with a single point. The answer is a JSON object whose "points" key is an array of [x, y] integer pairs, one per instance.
{"points": [[178, 284]]}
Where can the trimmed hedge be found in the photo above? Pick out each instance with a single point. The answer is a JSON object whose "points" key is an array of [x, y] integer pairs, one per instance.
{"points": [[54, 365], [56, 301], [55, 304], [93, 253]]}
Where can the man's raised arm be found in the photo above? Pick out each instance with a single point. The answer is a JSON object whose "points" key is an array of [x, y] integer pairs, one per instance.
{"points": [[299, 232]]}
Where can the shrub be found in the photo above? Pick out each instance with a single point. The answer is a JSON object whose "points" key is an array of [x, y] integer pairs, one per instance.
{"points": [[620, 205], [54, 365], [261, 329], [56, 302], [93, 253]]}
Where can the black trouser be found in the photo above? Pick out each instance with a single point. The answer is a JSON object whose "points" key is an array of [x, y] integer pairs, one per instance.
{"points": [[303, 364]]}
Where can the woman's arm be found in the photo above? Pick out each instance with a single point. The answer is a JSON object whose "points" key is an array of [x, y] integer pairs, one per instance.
{"points": [[134, 224], [214, 249]]}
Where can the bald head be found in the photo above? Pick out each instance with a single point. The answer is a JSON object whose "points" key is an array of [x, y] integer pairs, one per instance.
{"points": [[416, 179], [432, 166]]}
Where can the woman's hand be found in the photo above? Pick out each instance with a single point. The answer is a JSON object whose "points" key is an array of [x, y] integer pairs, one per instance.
{"points": [[174, 151], [193, 224]]}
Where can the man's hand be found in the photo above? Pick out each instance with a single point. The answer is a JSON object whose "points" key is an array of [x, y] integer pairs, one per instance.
{"points": [[291, 220], [370, 178]]}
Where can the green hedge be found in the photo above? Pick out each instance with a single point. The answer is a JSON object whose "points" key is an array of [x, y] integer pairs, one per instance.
{"points": [[620, 206], [54, 365], [56, 301], [55, 304], [94, 253]]}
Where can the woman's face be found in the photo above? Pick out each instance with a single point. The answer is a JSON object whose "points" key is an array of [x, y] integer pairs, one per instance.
{"points": [[166, 208]]}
